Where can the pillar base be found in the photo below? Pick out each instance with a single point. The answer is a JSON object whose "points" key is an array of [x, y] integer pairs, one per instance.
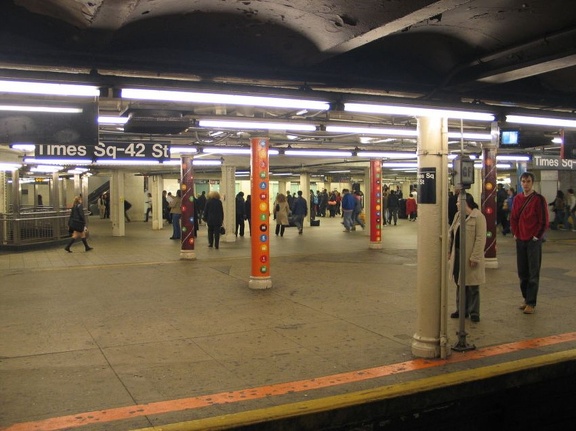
{"points": [[157, 225], [187, 255], [423, 347], [260, 283], [491, 262], [376, 246]]}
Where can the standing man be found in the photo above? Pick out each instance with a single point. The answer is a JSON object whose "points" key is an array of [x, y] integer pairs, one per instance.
{"points": [[348, 205], [299, 211], [528, 222], [240, 213]]}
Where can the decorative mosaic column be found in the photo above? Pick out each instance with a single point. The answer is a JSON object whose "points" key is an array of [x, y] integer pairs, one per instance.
{"points": [[488, 200], [375, 204], [188, 219], [260, 215]]}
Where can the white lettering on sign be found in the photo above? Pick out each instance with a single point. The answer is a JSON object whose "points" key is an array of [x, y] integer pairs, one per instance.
{"points": [[108, 151], [555, 163]]}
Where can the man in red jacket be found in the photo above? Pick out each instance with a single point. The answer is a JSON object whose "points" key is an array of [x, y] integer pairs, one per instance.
{"points": [[528, 222]]}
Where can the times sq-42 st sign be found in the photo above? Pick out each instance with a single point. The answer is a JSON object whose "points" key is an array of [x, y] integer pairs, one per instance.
{"points": [[105, 151]]}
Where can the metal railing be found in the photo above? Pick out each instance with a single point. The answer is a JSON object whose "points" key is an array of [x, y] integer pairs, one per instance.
{"points": [[39, 226]]}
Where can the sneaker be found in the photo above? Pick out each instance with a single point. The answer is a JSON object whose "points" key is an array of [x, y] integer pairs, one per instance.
{"points": [[522, 307], [529, 309], [475, 318]]}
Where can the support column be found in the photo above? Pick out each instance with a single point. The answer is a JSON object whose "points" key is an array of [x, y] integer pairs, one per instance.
{"points": [[187, 189], [373, 205], [430, 340], [156, 188], [260, 214], [117, 203], [228, 192], [305, 187], [367, 199], [488, 199]]}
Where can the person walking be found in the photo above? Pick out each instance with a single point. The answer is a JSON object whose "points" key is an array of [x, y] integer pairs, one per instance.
{"points": [[393, 207], [148, 205], [411, 207], [281, 212], [570, 208], [200, 204], [176, 214], [300, 211], [77, 224], [475, 271], [214, 218], [240, 214], [528, 223]]}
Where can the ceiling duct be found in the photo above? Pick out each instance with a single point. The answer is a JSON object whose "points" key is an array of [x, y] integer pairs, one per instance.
{"points": [[157, 122]]}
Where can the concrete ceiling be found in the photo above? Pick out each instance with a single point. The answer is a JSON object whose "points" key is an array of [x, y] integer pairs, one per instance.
{"points": [[505, 54]]}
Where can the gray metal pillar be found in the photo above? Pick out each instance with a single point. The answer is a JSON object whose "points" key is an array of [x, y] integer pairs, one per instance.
{"points": [[117, 203], [228, 196], [430, 340]]}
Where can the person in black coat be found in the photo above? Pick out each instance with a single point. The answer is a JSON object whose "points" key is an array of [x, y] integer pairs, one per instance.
{"points": [[214, 218], [77, 224], [240, 213]]}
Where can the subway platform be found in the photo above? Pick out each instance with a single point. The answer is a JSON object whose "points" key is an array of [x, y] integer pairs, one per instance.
{"points": [[130, 337]]}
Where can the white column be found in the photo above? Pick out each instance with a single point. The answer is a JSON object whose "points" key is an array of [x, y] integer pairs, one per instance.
{"points": [[430, 340], [117, 203], [156, 187], [228, 196]]}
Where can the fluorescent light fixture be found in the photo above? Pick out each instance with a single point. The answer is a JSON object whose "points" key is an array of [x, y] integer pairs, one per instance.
{"points": [[224, 99], [470, 156], [46, 168], [104, 119], [234, 151], [32, 160], [24, 147], [148, 162], [386, 155], [541, 121], [417, 112], [373, 131], [470, 136], [399, 165], [253, 125], [346, 171], [282, 174], [9, 166], [51, 109], [77, 171], [557, 141], [513, 158], [51, 89], [503, 165], [183, 150], [318, 153], [200, 162]]}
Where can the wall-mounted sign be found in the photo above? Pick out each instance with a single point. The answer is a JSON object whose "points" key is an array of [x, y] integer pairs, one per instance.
{"points": [[553, 163], [427, 185], [105, 151]]}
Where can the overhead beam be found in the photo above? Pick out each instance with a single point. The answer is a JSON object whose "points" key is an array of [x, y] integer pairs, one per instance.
{"points": [[426, 9]]}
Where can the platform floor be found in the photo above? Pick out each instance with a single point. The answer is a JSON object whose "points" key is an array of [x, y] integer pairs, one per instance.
{"points": [[129, 336]]}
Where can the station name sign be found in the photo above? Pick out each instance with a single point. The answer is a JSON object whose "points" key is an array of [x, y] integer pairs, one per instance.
{"points": [[553, 163], [105, 151]]}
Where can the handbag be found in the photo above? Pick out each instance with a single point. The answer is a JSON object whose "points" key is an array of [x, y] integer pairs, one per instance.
{"points": [[222, 230]]}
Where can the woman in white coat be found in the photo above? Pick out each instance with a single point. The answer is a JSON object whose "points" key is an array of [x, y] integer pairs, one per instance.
{"points": [[475, 270]]}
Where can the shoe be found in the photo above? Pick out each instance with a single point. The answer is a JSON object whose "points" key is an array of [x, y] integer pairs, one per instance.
{"points": [[89, 248], [67, 249], [456, 315], [522, 307], [529, 309], [475, 318], [346, 230], [210, 245]]}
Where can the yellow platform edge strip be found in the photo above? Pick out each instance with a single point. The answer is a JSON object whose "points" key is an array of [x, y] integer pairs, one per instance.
{"points": [[285, 411]]}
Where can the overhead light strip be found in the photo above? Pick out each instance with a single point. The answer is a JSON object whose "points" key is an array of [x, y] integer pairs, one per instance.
{"points": [[223, 99], [318, 153], [48, 89], [414, 111], [49, 109], [257, 125], [541, 121]]}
